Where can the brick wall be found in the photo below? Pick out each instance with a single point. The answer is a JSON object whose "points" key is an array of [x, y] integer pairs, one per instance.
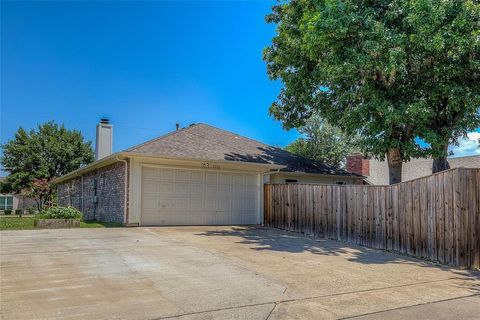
{"points": [[107, 184], [356, 163]]}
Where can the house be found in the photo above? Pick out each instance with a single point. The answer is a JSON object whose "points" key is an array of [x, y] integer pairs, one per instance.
{"points": [[10, 201], [198, 175], [376, 172]]}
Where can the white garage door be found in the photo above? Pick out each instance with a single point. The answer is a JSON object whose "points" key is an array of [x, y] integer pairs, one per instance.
{"points": [[197, 197]]}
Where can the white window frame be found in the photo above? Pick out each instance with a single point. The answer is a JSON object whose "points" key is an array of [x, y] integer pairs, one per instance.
{"points": [[3, 202]]}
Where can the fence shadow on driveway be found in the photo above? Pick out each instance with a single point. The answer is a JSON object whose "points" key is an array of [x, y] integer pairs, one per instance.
{"points": [[265, 238]]}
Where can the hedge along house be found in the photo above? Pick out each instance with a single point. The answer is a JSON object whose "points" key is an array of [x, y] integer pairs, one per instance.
{"points": [[198, 175]]}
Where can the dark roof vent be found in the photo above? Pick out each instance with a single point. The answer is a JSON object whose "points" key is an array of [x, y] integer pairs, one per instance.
{"points": [[105, 121]]}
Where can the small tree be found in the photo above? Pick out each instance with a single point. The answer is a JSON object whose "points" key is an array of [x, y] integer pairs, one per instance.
{"points": [[323, 142], [42, 191], [34, 158]]}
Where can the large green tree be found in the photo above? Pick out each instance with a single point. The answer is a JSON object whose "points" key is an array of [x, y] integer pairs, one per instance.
{"points": [[446, 40], [364, 67], [34, 158], [323, 142]]}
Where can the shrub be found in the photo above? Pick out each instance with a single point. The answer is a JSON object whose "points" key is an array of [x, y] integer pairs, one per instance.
{"points": [[31, 210], [19, 212], [7, 211], [60, 213]]}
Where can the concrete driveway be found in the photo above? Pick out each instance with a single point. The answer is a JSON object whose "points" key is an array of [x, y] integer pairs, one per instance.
{"points": [[220, 273]]}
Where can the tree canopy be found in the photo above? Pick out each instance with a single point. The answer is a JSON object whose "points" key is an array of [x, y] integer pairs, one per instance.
{"points": [[380, 69], [37, 156], [323, 142]]}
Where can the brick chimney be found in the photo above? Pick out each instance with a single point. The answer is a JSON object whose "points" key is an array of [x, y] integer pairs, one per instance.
{"points": [[356, 163]]}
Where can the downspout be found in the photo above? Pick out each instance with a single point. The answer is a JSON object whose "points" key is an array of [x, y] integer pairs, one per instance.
{"points": [[124, 189]]}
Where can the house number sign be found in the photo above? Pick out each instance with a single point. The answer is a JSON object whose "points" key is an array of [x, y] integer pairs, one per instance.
{"points": [[208, 165]]}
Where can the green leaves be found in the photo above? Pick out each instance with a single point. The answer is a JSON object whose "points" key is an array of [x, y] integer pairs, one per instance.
{"points": [[60, 213], [323, 142], [45, 153], [392, 70]]}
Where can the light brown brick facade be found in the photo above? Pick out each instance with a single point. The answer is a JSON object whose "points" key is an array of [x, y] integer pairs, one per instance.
{"points": [[103, 193]]}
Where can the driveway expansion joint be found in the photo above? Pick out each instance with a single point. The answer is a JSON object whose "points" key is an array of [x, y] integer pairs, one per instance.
{"points": [[406, 307], [278, 302]]}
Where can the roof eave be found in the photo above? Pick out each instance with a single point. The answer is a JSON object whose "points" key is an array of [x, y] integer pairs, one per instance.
{"points": [[94, 165], [160, 157], [265, 167]]}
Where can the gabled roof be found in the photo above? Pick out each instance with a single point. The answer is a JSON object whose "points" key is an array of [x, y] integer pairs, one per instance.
{"points": [[204, 142]]}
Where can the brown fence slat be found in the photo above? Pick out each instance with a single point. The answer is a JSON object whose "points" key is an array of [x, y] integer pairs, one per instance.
{"points": [[435, 217]]}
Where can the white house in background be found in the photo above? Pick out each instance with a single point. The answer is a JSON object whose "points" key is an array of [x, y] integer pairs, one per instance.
{"points": [[13, 202], [376, 172], [199, 175]]}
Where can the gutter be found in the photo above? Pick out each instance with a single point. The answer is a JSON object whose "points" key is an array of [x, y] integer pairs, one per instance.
{"points": [[115, 157], [82, 170]]}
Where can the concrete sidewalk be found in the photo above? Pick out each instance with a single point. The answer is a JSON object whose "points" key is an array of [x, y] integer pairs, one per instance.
{"points": [[219, 273]]}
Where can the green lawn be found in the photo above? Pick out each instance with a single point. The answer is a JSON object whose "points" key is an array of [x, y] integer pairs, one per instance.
{"points": [[26, 223]]}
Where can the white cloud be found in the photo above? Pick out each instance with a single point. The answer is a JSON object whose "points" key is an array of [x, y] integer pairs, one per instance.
{"points": [[468, 146]]}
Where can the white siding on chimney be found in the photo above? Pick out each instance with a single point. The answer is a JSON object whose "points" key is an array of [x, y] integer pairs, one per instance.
{"points": [[103, 147]]}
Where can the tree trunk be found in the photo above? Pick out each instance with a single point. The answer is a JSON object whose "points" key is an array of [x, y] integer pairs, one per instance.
{"points": [[441, 163], [394, 161]]}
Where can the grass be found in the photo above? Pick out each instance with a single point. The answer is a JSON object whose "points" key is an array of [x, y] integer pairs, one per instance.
{"points": [[16, 223], [99, 224], [26, 223]]}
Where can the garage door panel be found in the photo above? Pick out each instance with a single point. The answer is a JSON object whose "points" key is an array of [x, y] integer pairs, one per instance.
{"points": [[195, 189], [182, 204], [211, 191], [224, 179], [166, 187], [183, 175], [211, 178], [196, 204], [151, 173], [181, 188], [211, 204], [167, 174], [251, 180], [195, 197], [150, 202], [238, 179], [249, 204]]}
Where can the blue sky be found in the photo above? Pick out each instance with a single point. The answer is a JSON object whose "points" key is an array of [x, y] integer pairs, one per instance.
{"points": [[144, 65]]}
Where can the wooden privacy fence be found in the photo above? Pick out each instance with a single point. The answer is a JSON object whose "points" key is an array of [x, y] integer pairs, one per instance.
{"points": [[435, 217]]}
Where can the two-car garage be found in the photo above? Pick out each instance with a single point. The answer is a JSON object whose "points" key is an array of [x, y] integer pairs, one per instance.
{"points": [[173, 196], [198, 175]]}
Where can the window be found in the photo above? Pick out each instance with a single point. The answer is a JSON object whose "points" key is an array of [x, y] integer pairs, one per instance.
{"points": [[291, 181], [6, 202]]}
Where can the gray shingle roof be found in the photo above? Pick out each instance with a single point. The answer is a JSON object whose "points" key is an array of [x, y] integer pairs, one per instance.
{"points": [[201, 141]]}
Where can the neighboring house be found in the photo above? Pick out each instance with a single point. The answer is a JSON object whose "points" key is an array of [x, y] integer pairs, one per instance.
{"points": [[199, 175], [14, 201], [376, 172]]}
